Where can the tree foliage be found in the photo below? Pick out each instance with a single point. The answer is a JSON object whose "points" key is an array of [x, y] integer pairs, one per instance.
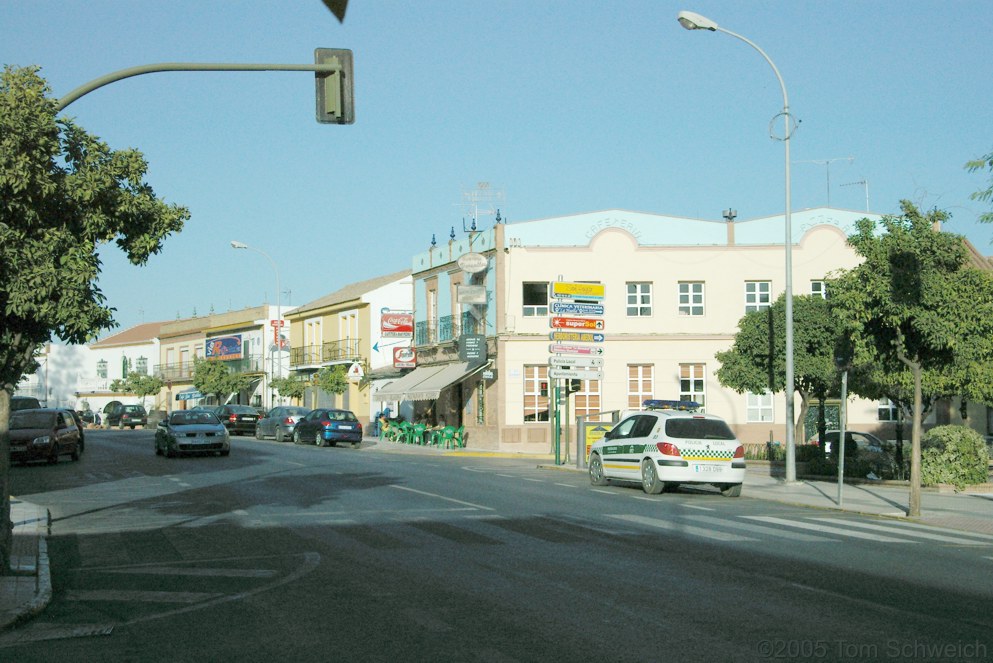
{"points": [[213, 377], [139, 384], [63, 194], [332, 379], [919, 315], [756, 362], [983, 195], [290, 387]]}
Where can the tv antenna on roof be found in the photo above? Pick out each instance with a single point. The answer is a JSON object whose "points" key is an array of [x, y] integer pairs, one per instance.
{"points": [[865, 184], [827, 169], [484, 200]]}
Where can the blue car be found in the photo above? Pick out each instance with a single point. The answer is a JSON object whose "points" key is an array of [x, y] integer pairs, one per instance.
{"points": [[328, 427]]}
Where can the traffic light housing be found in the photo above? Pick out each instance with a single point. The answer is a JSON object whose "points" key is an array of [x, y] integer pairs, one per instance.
{"points": [[543, 388], [335, 89], [573, 385]]}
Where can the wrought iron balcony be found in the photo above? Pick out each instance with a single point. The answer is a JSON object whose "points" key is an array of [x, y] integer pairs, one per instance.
{"points": [[448, 328], [326, 353]]}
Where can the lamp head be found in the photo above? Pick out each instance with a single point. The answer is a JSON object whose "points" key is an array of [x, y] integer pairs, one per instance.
{"points": [[693, 21], [235, 244]]}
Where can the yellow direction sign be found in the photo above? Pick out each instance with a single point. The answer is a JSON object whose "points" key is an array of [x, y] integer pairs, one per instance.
{"points": [[567, 290]]}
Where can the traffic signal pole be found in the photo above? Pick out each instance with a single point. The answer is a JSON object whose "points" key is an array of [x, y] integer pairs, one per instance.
{"points": [[187, 66]]}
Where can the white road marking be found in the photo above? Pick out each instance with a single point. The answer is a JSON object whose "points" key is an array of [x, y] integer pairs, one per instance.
{"points": [[697, 506], [680, 527], [945, 530], [900, 530], [602, 491], [829, 530], [567, 485], [761, 529], [441, 497], [182, 571]]}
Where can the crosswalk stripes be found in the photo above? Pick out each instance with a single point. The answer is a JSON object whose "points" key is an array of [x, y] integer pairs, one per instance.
{"points": [[830, 530], [679, 527], [761, 529], [932, 536]]}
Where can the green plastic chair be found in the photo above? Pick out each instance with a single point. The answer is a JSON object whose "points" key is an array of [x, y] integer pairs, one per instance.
{"points": [[444, 437], [458, 438], [415, 434], [402, 431]]}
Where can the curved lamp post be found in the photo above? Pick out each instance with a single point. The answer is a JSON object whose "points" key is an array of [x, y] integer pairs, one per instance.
{"points": [[235, 244], [692, 21]]}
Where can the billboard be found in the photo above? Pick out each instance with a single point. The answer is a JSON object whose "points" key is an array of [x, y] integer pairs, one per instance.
{"points": [[397, 324], [404, 358], [222, 348]]}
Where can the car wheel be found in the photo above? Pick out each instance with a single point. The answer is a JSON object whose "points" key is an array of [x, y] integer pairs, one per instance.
{"points": [[318, 439], [120, 426], [596, 471], [53, 457], [279, 436], [169, 452], [731, 489], [355, 445], [158, 450], [333, 443], [75, 453], [296, 437], [650, 481], [132, 427], [258, 433]]}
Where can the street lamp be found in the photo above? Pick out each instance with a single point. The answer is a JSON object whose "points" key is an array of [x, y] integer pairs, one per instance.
{"points": [[235, 244], [692, 21]]}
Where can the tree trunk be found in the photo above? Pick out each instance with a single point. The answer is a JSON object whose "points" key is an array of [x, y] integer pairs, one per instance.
{"points": [[6, 527]]}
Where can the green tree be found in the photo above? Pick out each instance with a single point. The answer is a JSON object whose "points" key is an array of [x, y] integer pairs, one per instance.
{"points": [[756, 362], [332, 379], [915, 310], [984, 195], [139, 384], [213, 377], [290, 387], [65, 194]]}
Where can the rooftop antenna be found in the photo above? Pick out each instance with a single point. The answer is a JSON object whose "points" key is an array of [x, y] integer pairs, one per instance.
{"points": [[827, 169], [865, 184], [484, 200]]}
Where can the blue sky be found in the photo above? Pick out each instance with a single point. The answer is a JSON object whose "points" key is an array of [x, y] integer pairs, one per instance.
{"points": [[563, 107]]}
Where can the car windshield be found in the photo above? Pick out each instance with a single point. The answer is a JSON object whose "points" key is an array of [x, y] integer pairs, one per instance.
{"points": [[242, 409], [340, 415], [698, 429], [191, 418], [133, 408], [27, 419]]}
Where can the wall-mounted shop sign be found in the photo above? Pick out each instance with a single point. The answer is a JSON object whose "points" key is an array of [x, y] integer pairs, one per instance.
{"points": [[223, 348], [397, 324], [473, 263], [404, 358]]}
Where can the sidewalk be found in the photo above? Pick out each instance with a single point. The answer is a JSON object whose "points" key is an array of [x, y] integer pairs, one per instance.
{"points": [[28, 591]]}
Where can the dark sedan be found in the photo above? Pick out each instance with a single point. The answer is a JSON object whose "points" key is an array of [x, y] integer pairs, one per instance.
{"points": [[279, 422], [43, 434], [326, 426], [238, 419], [187, 432]]}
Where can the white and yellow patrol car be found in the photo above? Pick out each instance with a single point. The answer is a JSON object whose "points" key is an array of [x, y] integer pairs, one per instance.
{"points": [[667, 444]]}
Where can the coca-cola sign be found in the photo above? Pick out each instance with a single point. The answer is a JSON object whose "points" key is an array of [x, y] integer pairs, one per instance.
{"points": [[397, 324]]}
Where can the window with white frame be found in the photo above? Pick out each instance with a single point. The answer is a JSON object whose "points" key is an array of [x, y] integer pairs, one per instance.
{"points": [[141, 365], [587, 400], [759, 407], [818, 289], [639, 299], [641, 384], [757, 295], [691, 298], [887, 410], [692, 386], [102, 368], [536, 405], [535, 297]]}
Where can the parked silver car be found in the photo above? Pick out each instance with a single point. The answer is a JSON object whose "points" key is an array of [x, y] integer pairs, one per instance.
{"points": [[278, 423]]}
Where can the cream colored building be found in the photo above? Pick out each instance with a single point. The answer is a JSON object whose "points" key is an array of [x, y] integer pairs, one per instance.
{"points": [[674, 291], [345, 328]]}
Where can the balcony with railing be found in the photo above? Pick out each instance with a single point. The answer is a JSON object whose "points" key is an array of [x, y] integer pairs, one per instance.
{"points": [[447, 329], [184, 370], [327, 353]]}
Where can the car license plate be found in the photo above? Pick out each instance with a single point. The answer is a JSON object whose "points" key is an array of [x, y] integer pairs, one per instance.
{"points": [[716, 469], [345, 427]]}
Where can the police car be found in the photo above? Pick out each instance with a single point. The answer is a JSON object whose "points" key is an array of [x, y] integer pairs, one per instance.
{"points": [[666, 444]]}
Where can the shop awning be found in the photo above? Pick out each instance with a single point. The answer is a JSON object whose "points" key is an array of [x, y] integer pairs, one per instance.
{"points": [[426, 383]]}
